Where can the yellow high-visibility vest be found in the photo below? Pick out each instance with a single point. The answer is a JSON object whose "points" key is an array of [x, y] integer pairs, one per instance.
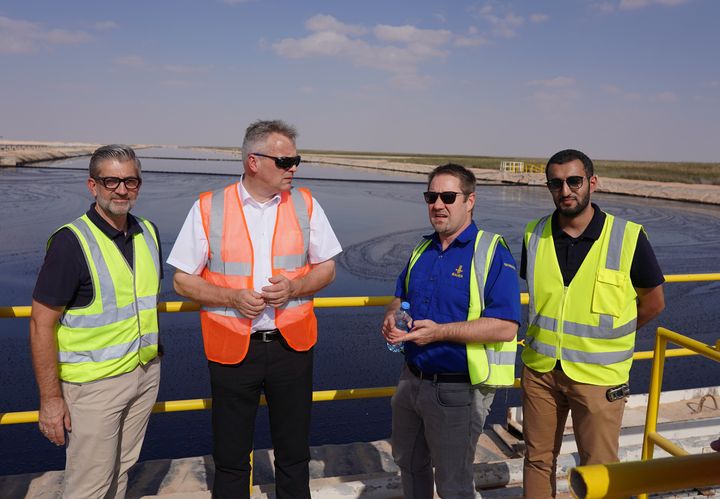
{"points": [[118, 330], [589, 325], [491, 364]]}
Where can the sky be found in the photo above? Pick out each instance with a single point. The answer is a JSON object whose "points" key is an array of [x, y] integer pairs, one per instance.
{"points": [[617, 79]]}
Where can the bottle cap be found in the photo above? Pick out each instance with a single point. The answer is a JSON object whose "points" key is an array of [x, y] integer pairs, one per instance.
{"points": [[405, 305]]}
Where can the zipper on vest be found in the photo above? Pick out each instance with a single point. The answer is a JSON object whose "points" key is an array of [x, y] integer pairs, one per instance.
{"points": [[137, 305], [560, 328]]}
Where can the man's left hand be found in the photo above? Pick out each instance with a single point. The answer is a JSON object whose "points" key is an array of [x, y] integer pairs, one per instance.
{"points": [[423, 332], [279, 291]]}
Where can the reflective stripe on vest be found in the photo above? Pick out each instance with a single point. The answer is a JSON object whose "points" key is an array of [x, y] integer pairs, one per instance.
{"points": [[230, 264], [118, 330], [490, 364], [590, 324]]}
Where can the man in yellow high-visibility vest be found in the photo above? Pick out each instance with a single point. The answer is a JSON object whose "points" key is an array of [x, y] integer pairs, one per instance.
{"points": [[462, 287], [94, 331], [593, 281]]}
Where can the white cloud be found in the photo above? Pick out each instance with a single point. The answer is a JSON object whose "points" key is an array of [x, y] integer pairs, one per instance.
{"points": [[18, 36], [133, 61], [665, 97], [503, 25], [470, 41], [185, 68], [177, 83], [411, 35], [105, 25], [539, 18], [554, 93], [322, 22], [605, 7], [639, 4], [136, 61], [557, 82], [398, 50]]}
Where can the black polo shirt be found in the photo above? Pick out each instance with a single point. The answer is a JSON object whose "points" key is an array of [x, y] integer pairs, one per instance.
{"points": [[64, 279], [571, 252]]}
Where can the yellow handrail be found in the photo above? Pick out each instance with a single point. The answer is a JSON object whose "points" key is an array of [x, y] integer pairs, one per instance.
{"points": [[352, 301], [658, 475], [653, 475], [347, 301]]}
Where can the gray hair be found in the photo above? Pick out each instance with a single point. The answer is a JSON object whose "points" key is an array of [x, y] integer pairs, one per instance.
{"points": [[118, 152], [258, 132]]}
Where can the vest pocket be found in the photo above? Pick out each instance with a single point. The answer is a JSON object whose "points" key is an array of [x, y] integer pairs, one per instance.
{"points": [[609, 291]]}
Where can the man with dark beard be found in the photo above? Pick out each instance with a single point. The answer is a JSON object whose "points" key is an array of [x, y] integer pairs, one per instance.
{"points": [[593, 280]]}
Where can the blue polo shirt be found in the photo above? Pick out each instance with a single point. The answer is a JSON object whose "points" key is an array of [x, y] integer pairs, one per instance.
{"points": [[439, 290]]}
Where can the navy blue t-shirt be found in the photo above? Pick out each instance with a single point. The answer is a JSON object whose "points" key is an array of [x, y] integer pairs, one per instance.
{"points": [[439, 290]]}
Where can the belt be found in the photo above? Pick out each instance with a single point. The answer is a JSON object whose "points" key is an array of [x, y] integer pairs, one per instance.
{"points": [[440, 377], [266, 336]]}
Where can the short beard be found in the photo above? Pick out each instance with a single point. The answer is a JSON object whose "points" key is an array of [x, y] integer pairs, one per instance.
{"points": [[582, 203]]}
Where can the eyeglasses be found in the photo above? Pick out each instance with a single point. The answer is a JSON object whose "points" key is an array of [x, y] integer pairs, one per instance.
{"points": [[447, 197], [284, 162], [112, 183], [574, 182]]}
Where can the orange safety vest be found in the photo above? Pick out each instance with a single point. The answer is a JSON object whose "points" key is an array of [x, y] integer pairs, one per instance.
{"points": [[226, 332]]}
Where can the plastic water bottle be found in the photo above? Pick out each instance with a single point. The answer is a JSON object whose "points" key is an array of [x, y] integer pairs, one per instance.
{"points": [[402, 322]]}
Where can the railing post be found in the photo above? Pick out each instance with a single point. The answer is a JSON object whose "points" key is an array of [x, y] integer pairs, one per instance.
{"points": [[656, 377]]}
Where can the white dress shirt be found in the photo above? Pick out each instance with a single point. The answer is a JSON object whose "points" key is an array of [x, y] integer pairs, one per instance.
{"points": [[190, 252]]}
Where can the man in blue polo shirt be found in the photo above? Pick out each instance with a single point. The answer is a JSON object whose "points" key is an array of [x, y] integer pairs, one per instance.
{"points": [[464, 298]]}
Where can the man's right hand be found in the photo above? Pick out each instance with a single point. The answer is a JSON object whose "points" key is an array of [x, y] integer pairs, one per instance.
{"points": [[54, 419], [248, 302]]}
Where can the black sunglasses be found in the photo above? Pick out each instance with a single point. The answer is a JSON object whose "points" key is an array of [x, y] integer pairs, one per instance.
{"points": [[447, 197], [284, 162], [574, 183], [112, 183]]}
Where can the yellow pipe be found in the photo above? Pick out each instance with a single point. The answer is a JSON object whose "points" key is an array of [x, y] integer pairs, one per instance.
{"points": [[353, 301], [653, 405], [202, 404], [692, 277], [11, 312], [637, 477], [687, 342], [667, 445]]}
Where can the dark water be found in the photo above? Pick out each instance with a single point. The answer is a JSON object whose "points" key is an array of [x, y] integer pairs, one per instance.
{"points": [[378, 218]]}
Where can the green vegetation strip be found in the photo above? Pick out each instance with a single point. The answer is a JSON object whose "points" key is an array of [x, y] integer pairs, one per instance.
{"points": [[683, 172]]}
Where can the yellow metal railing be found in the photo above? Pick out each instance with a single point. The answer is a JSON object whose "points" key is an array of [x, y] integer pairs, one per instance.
{"points": [[348, 301], [344, 394], [679, 472], [620, 480]]}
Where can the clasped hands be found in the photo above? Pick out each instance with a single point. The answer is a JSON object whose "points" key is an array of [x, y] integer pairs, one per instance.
{"points": [[250, 303], [422, 332]]}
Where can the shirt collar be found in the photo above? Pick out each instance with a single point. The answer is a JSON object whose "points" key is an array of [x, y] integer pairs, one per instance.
{"points": [[592, 231], [246, 198], [466, 236], [109, 230]]}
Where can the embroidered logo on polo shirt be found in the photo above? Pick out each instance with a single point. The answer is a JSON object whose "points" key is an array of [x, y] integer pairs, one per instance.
{"points": [[458, 272]]}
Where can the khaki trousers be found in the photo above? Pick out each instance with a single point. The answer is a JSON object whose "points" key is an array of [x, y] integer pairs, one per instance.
{"points": [[109, 418], [546, 399]]}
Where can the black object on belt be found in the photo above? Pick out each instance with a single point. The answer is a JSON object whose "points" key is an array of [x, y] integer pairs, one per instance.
{"points": [[266, 336], [440, 377]]}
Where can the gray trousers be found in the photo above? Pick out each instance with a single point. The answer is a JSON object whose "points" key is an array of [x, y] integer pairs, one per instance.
{"points": [[437, 425]]}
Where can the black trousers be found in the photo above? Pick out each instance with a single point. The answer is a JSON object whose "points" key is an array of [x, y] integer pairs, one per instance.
{"points": [[286, 378]]}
